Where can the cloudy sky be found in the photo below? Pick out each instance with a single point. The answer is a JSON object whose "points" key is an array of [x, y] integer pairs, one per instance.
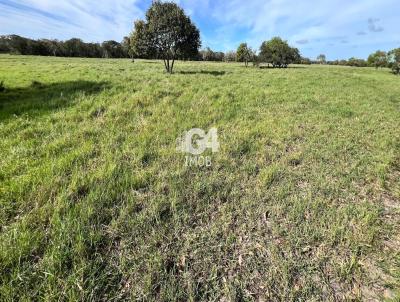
{"points": [[337, 28]]}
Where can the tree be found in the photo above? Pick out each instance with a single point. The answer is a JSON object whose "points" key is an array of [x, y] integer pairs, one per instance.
{"points": [[166, 33], [296, 57], [219, 56], [394, 55], [394, 60], [305, 61], [230, 56], [18, 45], [278, 53], [139, 41], [256, 60], [209, 55], [112, 49], [378, 59], [244, 54], [94, 50], [4, 45], [126, 48], [51, 47], [321, 59], [75, 48], [356, 62]]}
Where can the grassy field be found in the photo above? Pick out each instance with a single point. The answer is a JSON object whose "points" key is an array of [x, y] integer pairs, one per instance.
{"points": [[302, 202]]}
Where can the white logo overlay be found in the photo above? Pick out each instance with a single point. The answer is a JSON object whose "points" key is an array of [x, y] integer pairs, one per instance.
{"points": [[195, 142]]}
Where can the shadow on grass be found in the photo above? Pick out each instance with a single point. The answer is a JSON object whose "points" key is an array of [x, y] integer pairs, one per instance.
{"points": [[213, 73], [287, 67], [37, 98]]}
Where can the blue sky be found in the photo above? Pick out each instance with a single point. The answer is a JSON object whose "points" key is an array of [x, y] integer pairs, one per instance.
{"points": [[337, 28]]}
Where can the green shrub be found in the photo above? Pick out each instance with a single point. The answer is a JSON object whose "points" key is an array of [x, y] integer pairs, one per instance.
{"points": [[2, 86]]}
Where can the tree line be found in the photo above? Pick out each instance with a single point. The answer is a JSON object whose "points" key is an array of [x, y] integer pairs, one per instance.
{"points": [[378, 59], [74, 47], [167, 33]]}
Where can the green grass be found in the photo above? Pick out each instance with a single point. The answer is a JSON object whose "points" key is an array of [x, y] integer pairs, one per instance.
{"points": [[301, 203]]}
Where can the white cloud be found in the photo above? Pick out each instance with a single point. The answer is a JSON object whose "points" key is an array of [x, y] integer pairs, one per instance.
{"points": [[63, 19], [319, 22], [223, 23]]}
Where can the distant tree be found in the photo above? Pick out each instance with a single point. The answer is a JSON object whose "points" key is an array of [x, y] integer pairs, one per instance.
{"points": [[244, 54], [278, 53], [208, 54], [378, 59], [305, 61], [126, 48], [37, 48], [219, 56], [167, 33], [321, 59], [75, 48], [4, 46], [296, 57], [18, 45], [256, 60], [356, 62], [394, 55], [112, 49], [51, 47], [394, 60], [230, 56], [94, 50]]}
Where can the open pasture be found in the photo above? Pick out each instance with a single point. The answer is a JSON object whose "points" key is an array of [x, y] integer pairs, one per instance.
{"points": [[301, 202]]}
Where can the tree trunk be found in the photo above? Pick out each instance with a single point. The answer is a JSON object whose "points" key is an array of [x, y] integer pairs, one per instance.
{"points": [[169, 64], [166, 64]]}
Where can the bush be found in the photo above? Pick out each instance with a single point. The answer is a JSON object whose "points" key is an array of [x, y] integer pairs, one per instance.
{"points": [[2, 86]]}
